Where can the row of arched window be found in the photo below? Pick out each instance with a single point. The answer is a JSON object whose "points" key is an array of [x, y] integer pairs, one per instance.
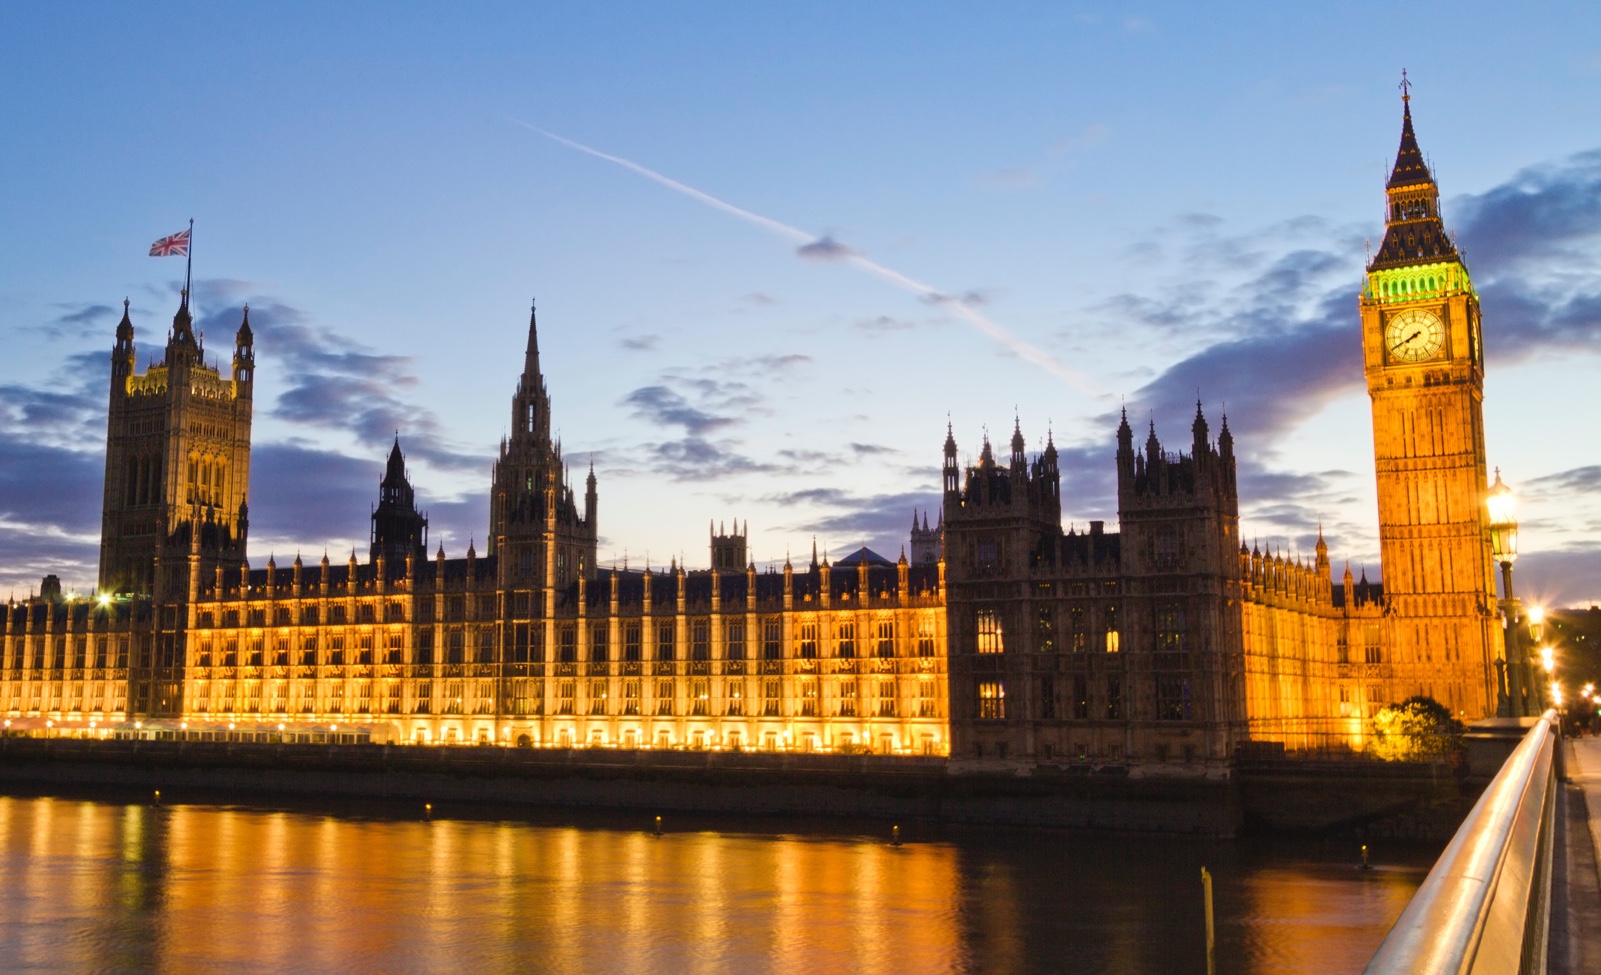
{"points": [[208, 478], [1423, 284], [142, 479]]}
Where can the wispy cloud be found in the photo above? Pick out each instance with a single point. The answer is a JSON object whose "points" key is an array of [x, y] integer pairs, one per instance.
{"points": [[709, 400], [79, 320], [814, 246], [663, 406], [843, 520], [884, 323], [334, 382]]}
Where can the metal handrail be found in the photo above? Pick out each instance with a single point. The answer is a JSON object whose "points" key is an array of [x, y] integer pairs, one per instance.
{"points": [[1485, 907]]}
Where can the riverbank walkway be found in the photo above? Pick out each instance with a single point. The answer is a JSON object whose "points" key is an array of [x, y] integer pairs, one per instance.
{"points": [[1576, 889]]}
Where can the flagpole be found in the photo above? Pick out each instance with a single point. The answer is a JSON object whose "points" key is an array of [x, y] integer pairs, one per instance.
{"points": [[189, 257]]}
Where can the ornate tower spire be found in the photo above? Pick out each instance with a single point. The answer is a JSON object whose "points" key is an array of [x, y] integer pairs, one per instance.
{"points": [[182, 346], [531, 355], [951, 471], [1414, 233], [532, 505], [244, 354], [398, 529], [125, 327], [122, 355], [530, 421]]}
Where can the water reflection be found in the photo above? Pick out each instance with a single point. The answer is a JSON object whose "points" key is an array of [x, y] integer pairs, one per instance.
{"points": [[195, 888]]}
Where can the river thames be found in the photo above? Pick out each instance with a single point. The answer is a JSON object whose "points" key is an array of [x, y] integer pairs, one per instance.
{"points": [[93, 886]]}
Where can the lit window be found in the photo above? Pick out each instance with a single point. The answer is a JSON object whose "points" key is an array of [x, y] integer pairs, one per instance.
{"points": [[846, 635], [808, 641], [1044, 630], [989, 632], [700, 642], [1170, 626], [991, 700], [887, 702], [1172, 699]]}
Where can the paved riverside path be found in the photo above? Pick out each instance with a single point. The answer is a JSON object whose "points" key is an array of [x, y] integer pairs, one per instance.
{"points": [[1576, 894]]}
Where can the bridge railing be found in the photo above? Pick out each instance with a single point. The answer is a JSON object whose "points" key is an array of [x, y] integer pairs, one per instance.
{"points": [[1485, 907]]}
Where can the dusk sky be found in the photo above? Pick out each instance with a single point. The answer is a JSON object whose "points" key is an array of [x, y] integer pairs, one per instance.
{"points": [[775, 248]]}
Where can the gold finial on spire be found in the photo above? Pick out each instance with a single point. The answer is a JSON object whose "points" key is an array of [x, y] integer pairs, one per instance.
{"points": [[1405, 86]]}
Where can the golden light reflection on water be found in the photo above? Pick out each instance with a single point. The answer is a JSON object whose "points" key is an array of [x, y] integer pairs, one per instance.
{"points": [[188, 889]]}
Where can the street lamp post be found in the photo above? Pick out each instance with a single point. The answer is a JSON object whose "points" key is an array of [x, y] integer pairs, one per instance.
{"points": [[1511, 698], [1541, 657]]}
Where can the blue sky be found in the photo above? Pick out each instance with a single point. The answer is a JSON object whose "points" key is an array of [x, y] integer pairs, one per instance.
{"points": [[1159, 198]]}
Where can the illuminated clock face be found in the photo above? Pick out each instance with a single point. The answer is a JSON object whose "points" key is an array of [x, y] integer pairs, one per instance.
{"points": [[1414, 335]]}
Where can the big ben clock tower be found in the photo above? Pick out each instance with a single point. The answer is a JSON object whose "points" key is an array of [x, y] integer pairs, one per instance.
{"points": [[1425, 371]]}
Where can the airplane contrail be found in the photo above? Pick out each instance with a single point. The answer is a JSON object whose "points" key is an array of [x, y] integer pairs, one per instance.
{"points": [[828, 249]]}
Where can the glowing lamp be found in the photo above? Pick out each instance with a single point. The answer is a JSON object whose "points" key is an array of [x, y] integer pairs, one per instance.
{"points": [[1502, 506], [104, 599], [1547, 659], [1536, 621], [1556, 695]]}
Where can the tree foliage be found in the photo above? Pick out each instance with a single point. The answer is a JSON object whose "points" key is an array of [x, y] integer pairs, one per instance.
{"points": [[1418, 728]]}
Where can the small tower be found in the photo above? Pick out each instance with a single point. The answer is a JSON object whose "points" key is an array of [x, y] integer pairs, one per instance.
{"points": [[953, 473], [399, 531], [927, 543], [177, 460], [536, 529], [728, 549]]}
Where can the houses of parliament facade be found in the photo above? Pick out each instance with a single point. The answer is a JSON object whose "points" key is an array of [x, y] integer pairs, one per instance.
{"points": [[1162, 643]]}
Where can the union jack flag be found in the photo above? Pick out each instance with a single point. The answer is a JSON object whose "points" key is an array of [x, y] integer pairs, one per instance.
{"points": [[175, 246]]}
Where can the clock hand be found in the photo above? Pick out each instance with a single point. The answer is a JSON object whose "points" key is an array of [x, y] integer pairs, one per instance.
{"points": [[1407, 340]]}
